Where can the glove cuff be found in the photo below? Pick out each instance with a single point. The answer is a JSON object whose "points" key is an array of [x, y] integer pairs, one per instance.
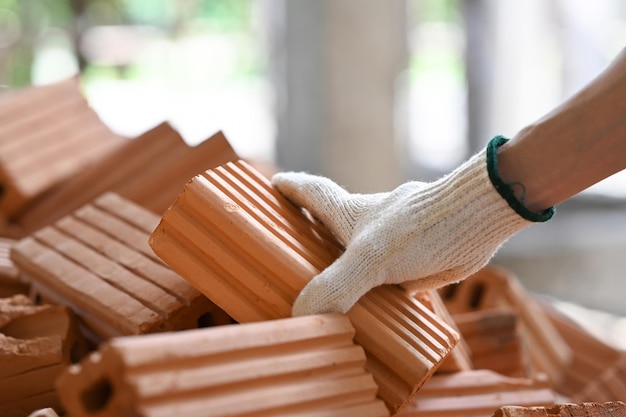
{"points": [[505, 190]]}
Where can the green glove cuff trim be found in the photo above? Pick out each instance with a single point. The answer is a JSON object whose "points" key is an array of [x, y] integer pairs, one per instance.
{"points": [[505, 190]]}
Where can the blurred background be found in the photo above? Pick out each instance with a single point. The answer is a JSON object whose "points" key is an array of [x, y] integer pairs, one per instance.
{"points": [[369, 92]]}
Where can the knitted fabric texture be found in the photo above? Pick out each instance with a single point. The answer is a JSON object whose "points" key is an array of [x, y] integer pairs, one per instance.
{"points": [[428, 234]]}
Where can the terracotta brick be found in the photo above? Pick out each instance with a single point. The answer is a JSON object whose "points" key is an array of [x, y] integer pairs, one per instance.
{"points": [[460, 359], [495, 342], [590, 358], [37, 343], [47, 135], [97, 261], [610, 385], [477, 393], [149, 170], [10, 284], [250, 251], [495, 287], [608, 409], [305, 366]]}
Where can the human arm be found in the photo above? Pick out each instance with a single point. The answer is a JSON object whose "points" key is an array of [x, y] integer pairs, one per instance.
{"points": [[433, 234], [578, 144]]}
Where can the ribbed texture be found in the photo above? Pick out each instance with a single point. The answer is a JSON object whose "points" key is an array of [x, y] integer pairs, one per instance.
{"points": [[149, 170], [97, 260], [7, 268], [609, 386], [495, 341], [251, 252], [47, 134], [494, 287], [306, 366], [476, 394]]}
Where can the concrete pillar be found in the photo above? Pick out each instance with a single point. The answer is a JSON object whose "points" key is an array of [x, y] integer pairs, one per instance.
{"points": [[336, 64]]}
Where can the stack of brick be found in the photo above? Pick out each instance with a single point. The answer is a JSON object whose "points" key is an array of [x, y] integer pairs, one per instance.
{"points": [[47, 135], [167, 276]]}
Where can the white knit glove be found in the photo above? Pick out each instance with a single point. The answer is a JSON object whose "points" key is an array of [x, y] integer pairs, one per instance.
{"points": [[432, 234]]}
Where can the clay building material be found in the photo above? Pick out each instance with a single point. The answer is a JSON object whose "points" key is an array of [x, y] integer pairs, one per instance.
{"points": [[606, 409], [495, 342], [460, 359], [249, 250], [477, 393], [37, 343], [610, 385], [304, 366], [98, 262], [494, 287], [149, 170], [47, 134], [597, 371], [10, 283]]}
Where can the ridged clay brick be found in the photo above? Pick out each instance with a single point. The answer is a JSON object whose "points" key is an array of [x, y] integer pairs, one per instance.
{"points": [[303, 366], [610, 385], [47, 134], [37, 343], [477, 393], [606, 409], [591, 357], [97, 261], [249, 250], [149, 170], [9, 275], [460, 359], [496, 287], [495, 342]]}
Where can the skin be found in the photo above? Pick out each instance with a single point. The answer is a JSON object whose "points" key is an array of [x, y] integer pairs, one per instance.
{"points": [[578, 144]]}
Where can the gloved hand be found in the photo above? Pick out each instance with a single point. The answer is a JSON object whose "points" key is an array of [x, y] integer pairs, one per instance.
{"points": [[432, 234]]}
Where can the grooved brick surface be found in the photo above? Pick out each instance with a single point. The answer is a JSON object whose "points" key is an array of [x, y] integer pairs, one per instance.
{"points": [[97, 260], [305, 366], [47, 134], [250, 251], [149, 170], [477, 393], [494, 287]]}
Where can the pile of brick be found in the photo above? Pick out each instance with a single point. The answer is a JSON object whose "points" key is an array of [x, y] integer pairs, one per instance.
{"points": [[150, 278]]}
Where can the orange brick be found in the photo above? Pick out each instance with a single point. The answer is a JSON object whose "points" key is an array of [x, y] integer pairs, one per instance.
{"points": [[495, 287], [97, 261], [477, 393], [149, 170], [495, 342], [294, 366], [460, 359], [591, 359], [251, 251], [36, 344], [47, 135], [9, 275]]}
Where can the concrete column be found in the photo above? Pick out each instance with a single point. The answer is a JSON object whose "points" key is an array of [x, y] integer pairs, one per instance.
{"points": [[336, 64]]}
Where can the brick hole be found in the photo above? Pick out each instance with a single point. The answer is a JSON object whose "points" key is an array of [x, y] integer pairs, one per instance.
{"points": [[476, 296], [97, 397], [448, 292], [206, 320], [75, 353]]}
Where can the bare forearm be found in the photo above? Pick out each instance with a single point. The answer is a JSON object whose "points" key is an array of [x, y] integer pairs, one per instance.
{"points": [[575, 146]]}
